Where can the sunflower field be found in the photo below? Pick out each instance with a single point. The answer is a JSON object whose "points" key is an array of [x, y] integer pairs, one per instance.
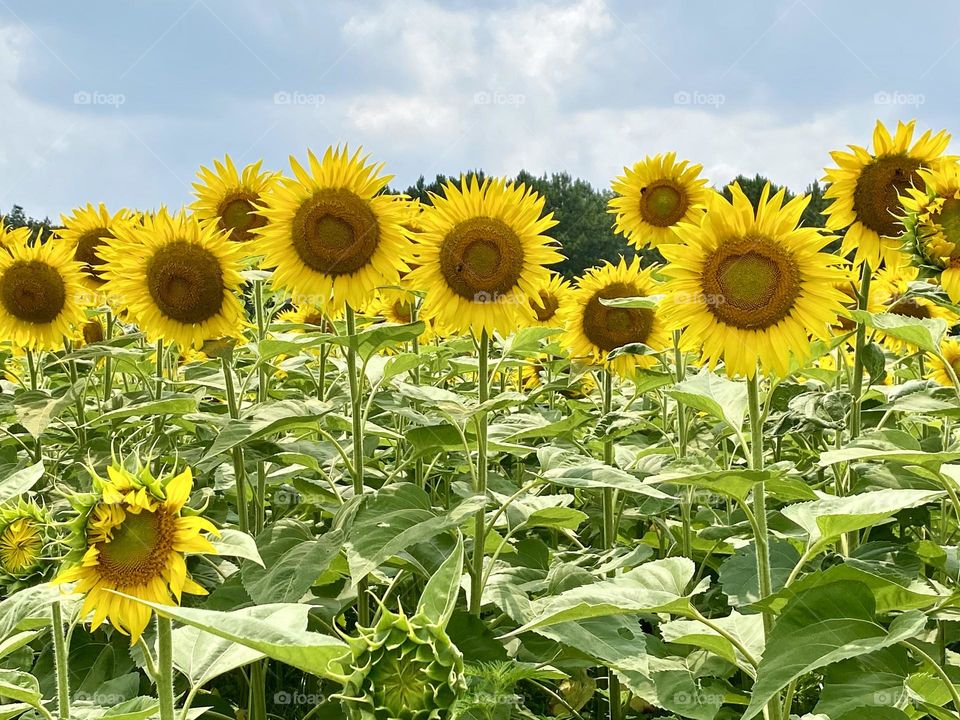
{"points": [[307, 448]]}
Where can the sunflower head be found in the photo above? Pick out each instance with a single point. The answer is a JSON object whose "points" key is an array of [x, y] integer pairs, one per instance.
{"points": [[403, 668], [10, 237], [932, 224], [594, 328], [313, 317], [231, 198], [130, 536], [178, 279], [26, 538], [550, 301], [41, 291], [654, 196], [87, 230], [332, 234], [866, 188], [946, 366], [749, 286], [891, 293], [482, 254]]}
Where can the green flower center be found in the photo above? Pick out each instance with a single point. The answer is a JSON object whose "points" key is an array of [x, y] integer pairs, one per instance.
{"points": [[663, 203], [949, 221], [239, 217]]}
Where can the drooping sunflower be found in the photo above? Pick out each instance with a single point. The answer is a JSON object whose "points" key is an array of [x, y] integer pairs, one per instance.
{"points": [[41, 291], [750, 286], [177, 278], [593, 330], [130, 536], [87, 230], [25, 535], [866, 188], [654, 196], [937, 369], [890, 293], [231, 199], [552, 299], [933, 224], [331, 233], [482, 255]]}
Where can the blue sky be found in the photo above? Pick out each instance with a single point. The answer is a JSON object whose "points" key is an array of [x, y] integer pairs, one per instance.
{"points": [[120, 102]]}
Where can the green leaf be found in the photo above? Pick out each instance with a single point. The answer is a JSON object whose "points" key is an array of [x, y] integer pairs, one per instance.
{"points": [[657, 586], [292, 564], [924, 333], [724, 399], [35, 410], [174, 405], [20, 482], [568, 469], [738, 574], [19, 686], [746, 629], [234, 543], [912, 457], [736, 483], [308, 651], [12, 710], [561, 518], [263, 420], [439, 598], [822, 626]]}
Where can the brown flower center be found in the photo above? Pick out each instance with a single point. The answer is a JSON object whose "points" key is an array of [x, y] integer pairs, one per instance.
{"points": [[186, 282], [33, 291], [87, 251], [663, 203], [611, 327], [335, 232], [239, 216], [909, 307], [550, 306], [876, 195], [481, 259]]}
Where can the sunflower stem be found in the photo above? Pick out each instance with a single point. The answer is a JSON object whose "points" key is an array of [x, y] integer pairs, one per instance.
{"points": [[610, 532], [257, 706], [356, 416], [165, 667], [60, 661], [32, 367], [856, 387], [239, 471], [479, 535], [761, 535], [686, 539], [108, 360]]}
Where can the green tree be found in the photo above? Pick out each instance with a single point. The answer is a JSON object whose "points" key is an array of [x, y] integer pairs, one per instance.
{"points": [[40, 230]]}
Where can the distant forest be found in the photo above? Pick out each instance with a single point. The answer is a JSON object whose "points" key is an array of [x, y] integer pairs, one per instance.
{"points": [[584, 227]]}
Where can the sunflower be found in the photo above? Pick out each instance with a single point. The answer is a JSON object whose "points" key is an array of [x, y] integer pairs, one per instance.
{"points": [[11, 237], [654, 196], [482, 254], [41, 288], [593, 330], [751, 286], [25, 533], [949, 355], [331, 233], [177, 278], [551, 299], [891, 294], [130, 537], [306, 315], [232, 198], [933, 224], [866, 189], [87, 230]]}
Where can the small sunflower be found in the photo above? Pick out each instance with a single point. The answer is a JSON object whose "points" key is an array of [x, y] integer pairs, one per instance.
{"points": [[593, 330], [331, 233], [891, 294], [131, 536], [177, 278], [41, 289], [232, 198], [950, 352], [866, 189], [552, 299], [87, 230], [482, 254], [25, 534], [751, 286], [933, 224], [10, 237], [654, 196], [306, 315]]}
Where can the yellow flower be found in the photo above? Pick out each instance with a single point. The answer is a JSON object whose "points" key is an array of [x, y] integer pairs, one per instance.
{"points": [[24, 535], [553, 298], [177, 278], [593, 330], [654, 196], [331, 233], [231, 199], [481, 256], [937, 371], [933, 223], [889, 293], [750, 286], [866, 189], [131, 537], [86, 231]]}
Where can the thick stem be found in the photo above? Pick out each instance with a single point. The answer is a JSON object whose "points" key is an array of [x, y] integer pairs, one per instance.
{"points": [[257, 706], [239, 471], [108, 360], [32, 367], [686, 536], [610, 533], [479, 535], [165, 668], [856, 386], [60, 661], [356, 417]]}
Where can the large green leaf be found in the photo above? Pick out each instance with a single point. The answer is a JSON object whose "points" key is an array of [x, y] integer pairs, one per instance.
{"points": [[19, 482], [736, 483], [911, 457], [439, 598], [821, 626], [568, 469], [293, 560], [171, 405], [724, 399], [264, 420], [745, 629], [924, 333], [19, 686]]}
